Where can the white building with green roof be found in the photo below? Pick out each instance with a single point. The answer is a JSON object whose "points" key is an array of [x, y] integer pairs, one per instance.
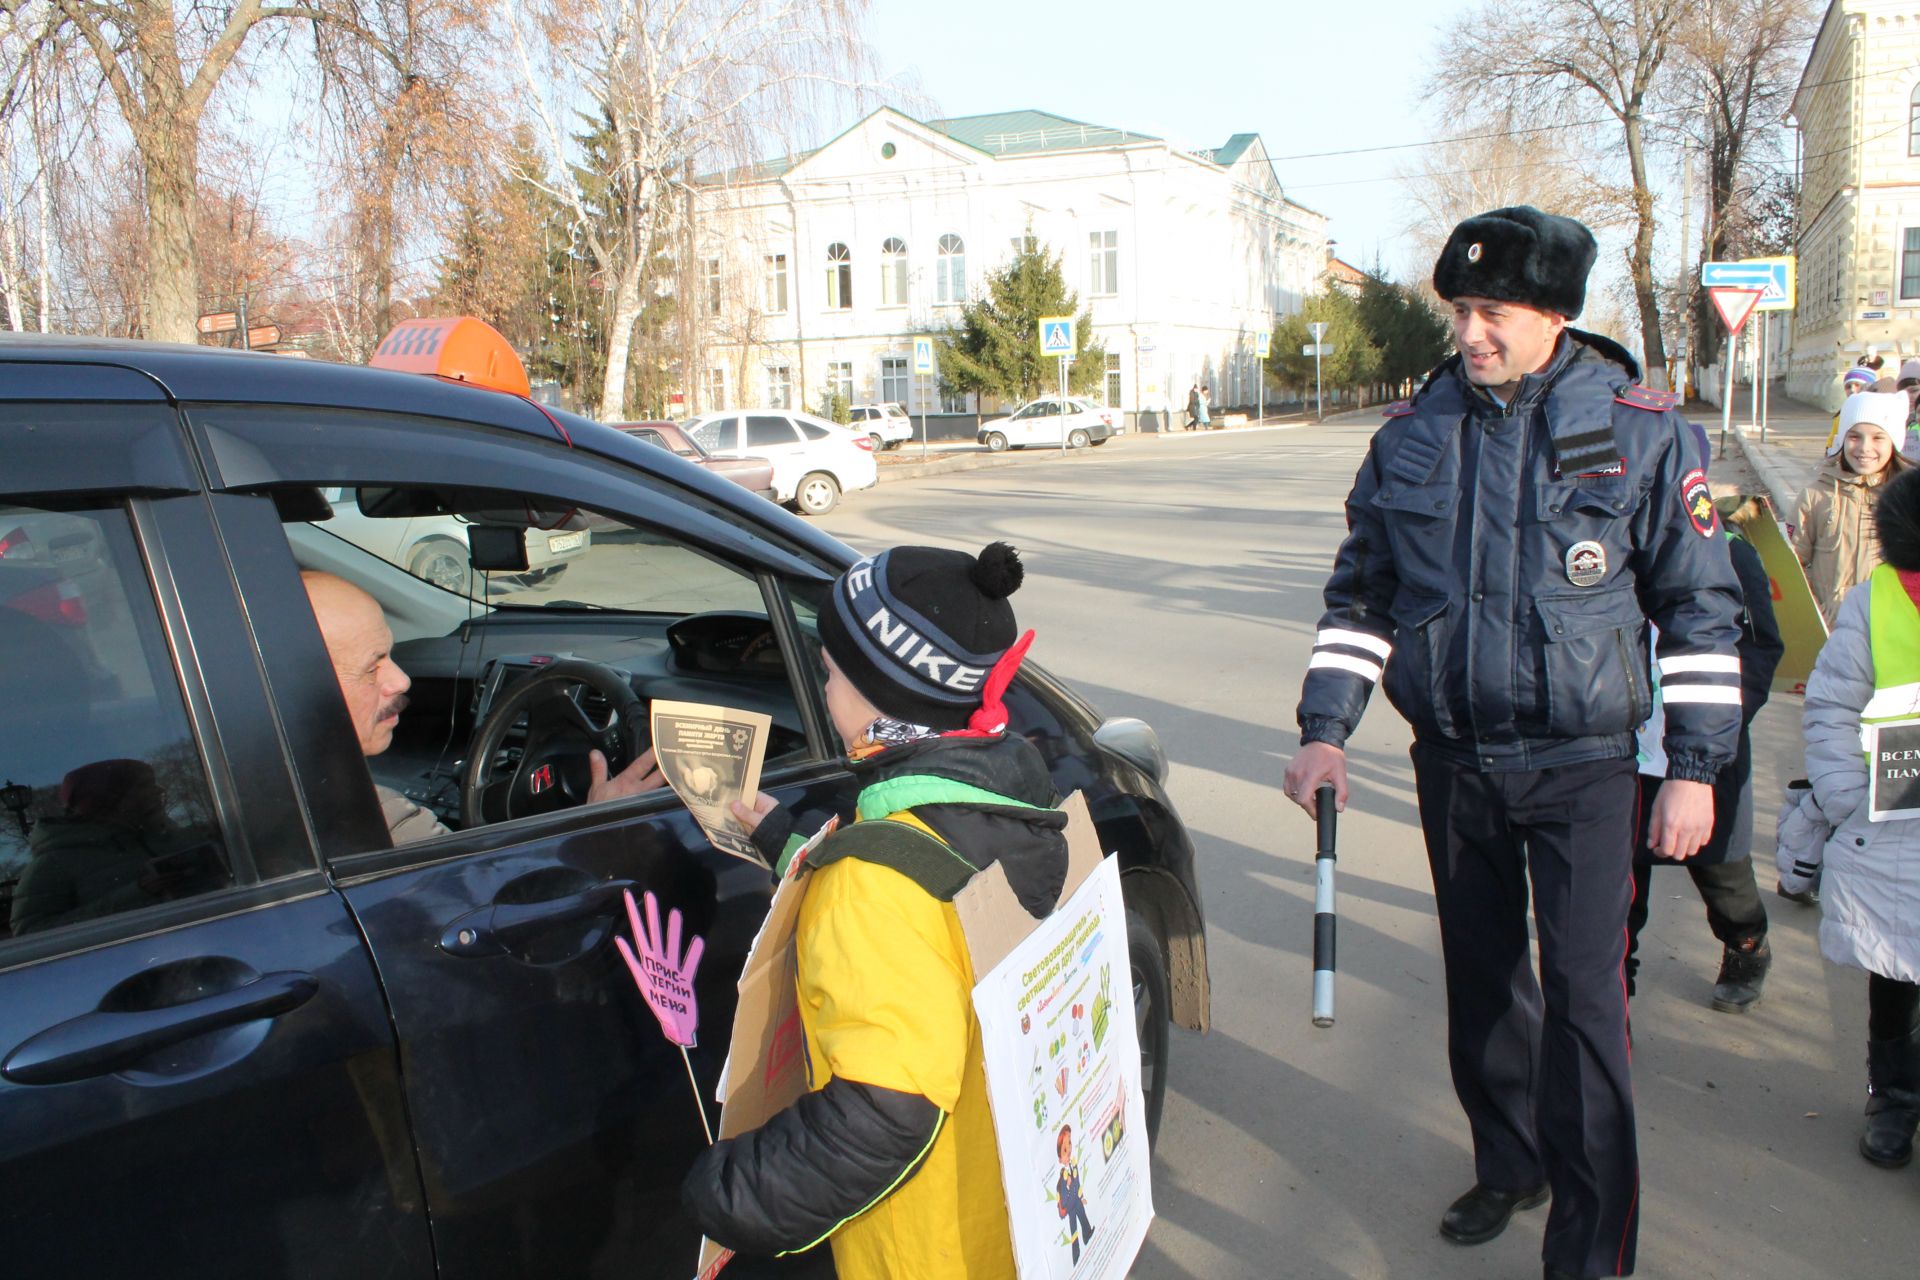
{"points": [[819, 269]]}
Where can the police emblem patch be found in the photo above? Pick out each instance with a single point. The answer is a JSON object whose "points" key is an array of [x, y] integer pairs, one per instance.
{"points": [[1473, 252], [1586, 564], [1698, 501]]}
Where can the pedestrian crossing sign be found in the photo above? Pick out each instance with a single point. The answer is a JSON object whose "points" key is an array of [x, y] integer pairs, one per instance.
{"points": [[923, 355], [1056, 335]]}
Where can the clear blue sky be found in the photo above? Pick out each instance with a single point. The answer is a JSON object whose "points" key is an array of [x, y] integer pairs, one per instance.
{"points": [[1306, 77]]}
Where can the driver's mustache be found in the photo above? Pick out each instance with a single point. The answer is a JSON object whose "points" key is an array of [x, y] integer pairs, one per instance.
{"points": [[395, 707]]}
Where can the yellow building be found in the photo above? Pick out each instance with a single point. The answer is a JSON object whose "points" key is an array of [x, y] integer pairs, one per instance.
{"points": [[1858, 112]]}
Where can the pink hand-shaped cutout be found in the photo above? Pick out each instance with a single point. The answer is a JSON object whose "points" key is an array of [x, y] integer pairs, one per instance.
{"points": [[664, 976]]}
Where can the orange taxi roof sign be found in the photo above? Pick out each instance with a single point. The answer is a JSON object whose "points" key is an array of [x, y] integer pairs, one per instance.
{"points": [[458, 347]]}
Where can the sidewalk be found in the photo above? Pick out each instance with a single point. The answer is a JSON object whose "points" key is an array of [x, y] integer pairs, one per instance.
{"points": [[1785, 461], [944, 456]]}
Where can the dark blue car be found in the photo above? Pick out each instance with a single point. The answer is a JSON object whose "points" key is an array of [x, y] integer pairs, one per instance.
{"points": [[242, 1033]]}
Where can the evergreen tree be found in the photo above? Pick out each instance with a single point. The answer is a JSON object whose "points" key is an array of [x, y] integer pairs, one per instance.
{"points": [[1355, 359], [995, 349], [1412, 339]]}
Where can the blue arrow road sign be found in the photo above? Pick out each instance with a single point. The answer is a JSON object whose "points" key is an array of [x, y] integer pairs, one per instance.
{"points": [[1771, 278], [1056, 336]]}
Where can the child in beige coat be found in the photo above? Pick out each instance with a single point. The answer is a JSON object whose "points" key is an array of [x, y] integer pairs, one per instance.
{"points": [[1833, 522]]}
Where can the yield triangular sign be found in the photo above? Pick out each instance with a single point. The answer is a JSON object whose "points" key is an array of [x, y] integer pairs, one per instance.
{"points": [[1734, 306]]}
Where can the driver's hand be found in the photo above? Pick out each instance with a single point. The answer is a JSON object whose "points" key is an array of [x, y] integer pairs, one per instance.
{"points": [[642, 775], [750, 816]]}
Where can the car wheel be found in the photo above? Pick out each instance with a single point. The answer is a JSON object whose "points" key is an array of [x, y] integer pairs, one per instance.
{"points": [[878, 443], [996, 442], [1077, 438], [444, 563], [817, 494], [1151, 1006]]}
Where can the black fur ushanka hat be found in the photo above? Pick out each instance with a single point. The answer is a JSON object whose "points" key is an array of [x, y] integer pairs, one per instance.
{"points": [[1540, 260]]}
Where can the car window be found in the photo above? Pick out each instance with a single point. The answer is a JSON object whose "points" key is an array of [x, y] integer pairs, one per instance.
{"points": [[764, 429], [107, 805], [651, 437], [674, 620], [812, 432], [714, 435], [860, 415], [1028, 411]]}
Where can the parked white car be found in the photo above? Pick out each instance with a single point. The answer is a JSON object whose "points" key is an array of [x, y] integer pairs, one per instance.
{"points": [[434, 548], [888, 424], [1040, 422], [814, 461]]}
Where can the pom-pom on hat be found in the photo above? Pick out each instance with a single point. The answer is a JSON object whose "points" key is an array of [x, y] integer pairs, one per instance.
{"points": [[922, 631], [1520, 254], [1886, 410], [1856, 377]]}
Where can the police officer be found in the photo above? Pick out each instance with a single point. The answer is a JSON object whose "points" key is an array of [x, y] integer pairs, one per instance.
{"points": [[1511, 530]]}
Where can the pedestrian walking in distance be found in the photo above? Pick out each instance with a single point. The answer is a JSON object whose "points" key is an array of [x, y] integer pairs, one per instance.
{"points": [[1868, 673], [1513, 529]]}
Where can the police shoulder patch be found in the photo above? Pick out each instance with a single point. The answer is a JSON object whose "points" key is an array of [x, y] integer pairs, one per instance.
{"points": [[1398, 409], [1639, 397], [1697, 501]]}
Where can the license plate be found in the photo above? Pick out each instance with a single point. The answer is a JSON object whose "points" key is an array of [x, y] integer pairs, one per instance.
{"points": [[558, 542]]}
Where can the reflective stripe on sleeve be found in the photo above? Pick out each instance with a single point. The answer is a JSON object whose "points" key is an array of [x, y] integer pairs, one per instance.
{"points": [[1726, 695], [1716, 663], [1357, 639], [1346, 662]]}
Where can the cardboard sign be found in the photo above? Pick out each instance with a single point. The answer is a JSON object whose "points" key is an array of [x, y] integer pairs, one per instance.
{"points": [[1893, 769], [1802, 628]]}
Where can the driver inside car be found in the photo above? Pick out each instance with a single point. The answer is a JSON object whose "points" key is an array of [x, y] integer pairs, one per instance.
{"points": [[374, 688]]}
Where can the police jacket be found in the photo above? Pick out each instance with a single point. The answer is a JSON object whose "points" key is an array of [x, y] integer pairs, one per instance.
{"points": [[1500, 562]]}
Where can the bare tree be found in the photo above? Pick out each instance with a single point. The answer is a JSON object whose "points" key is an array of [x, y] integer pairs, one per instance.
{"points": [[1740, 62], [1492, 163], [1552, 61], [680, 88], [161, 62]]}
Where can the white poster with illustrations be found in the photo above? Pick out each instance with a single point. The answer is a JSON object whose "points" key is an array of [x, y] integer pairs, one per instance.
{"points": [[1063, 1077]]}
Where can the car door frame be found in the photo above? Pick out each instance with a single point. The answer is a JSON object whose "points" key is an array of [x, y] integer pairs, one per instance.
{"points": [[321, 1022]]}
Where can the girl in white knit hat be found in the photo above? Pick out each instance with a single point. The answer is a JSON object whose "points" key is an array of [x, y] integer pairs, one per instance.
{"points": [[1833, 524]]}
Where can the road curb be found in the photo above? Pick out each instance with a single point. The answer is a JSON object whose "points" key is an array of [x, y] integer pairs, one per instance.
{"points": [[1785, 477]]}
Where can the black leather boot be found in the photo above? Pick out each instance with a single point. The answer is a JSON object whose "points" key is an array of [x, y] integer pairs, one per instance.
{"points": [[1482, 1213], [1893, 1100], [1743, 968]]}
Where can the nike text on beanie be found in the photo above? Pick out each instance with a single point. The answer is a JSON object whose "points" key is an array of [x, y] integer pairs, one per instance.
{"points": [[1539, 260], [1886, 410], [918, 629]]}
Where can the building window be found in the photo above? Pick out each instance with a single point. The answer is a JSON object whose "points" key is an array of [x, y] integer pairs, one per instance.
{"points": [[1024, 244], [780, 386], [716, 389], [1913, 124], [776, 283], [1113, 380], [1910, 266], [893, 272], [893, 380], [952, 401], [839, 278], [950, 271], [713, 286], [1103, 262], [840, 379]]}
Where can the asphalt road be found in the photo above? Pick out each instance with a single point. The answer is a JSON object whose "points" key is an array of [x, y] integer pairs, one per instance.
{"points": [[1178, 580]]}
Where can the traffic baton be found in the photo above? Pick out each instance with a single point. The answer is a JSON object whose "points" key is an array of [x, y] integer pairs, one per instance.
{"points": [[1323, 917]]}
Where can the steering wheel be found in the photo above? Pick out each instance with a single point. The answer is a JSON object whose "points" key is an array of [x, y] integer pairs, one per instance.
{"points": [[552, 772]]}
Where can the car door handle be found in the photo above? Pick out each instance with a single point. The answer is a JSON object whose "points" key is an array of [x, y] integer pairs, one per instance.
{"points": [[495, 929], [98, 1043]]}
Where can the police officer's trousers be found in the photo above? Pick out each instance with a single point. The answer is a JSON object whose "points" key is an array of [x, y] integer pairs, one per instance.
{"points": [[1541, 1066]]}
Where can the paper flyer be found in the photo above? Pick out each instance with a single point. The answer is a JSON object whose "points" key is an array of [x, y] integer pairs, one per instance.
{"points": [[711, 756], [1063, 1078]]}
